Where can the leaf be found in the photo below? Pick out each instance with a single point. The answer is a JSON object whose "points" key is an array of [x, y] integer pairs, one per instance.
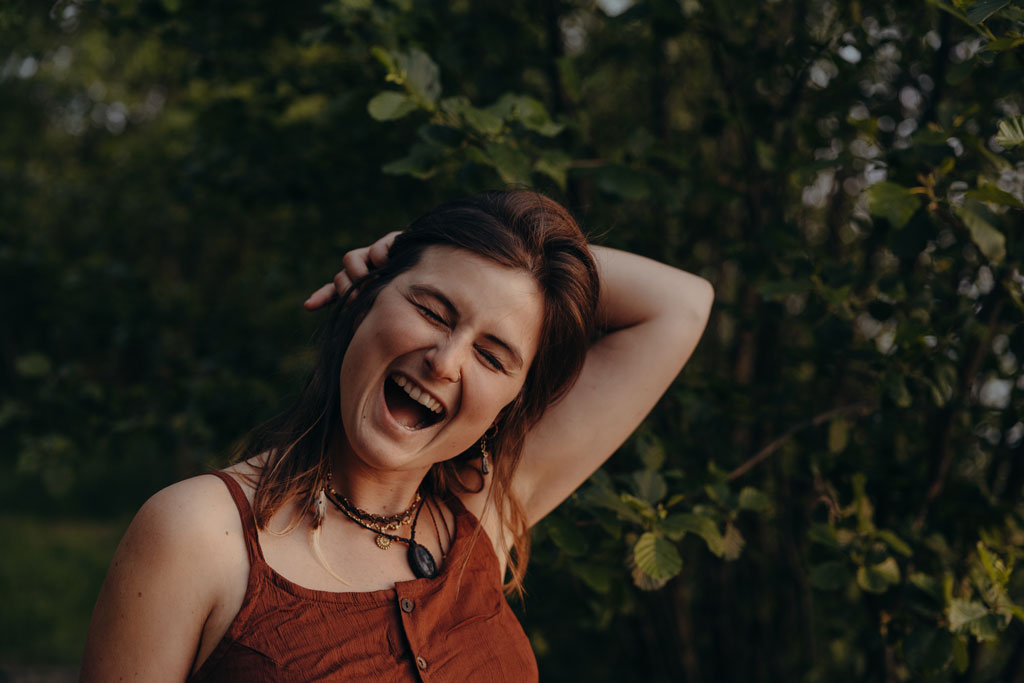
{"points": [[390, 105], [1011, 132], [512, 165], [480, 120], [423, 77], [420, 163], [566, 536], [992, 194], [732, 543], [528, 111], [555, 165], [895, 542], [649, 486], [752, 499], [983, 9], [657, 557], [600, 494], [823, 534], [892, 202], [927, 584], [32, 365], [961, 613], [879, 577], [703, 527], [674, 526], [829, 576], [979, 220], [838, 435]]}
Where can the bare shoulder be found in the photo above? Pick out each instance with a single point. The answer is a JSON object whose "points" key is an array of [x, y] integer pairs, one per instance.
{"points": [[180, 555]]}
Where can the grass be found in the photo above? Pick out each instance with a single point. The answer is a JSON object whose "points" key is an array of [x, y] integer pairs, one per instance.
{"points": [[50, 574]]}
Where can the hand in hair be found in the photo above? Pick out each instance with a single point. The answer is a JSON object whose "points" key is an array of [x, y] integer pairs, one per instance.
{"points": [[355, 264]]}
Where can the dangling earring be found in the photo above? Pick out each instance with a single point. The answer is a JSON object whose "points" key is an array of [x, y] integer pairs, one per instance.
{"points": [[484, 456]]}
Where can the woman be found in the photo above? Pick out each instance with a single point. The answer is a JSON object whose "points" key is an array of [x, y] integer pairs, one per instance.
{"points": [[456, 400]]}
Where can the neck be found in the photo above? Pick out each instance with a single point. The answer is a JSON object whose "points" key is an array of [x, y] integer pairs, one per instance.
{"points": [[378, 492]]}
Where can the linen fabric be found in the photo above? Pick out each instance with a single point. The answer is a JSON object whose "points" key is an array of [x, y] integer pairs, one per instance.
{"points": [[454, 627]]}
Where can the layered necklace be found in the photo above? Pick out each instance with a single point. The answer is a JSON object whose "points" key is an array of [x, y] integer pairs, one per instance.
{"points": [[420, 560]]}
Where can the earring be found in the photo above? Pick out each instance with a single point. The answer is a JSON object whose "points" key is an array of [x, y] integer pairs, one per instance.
{"points": [[484, 455]]}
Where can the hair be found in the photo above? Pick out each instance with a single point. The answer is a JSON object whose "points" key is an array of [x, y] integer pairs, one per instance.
{"points": [[518, 229]]}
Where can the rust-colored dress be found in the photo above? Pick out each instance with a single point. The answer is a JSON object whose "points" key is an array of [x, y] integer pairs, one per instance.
{"points": [[424, 629]]}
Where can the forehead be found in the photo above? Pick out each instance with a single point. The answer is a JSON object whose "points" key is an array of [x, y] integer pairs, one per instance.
{"points": [[507, 301]]}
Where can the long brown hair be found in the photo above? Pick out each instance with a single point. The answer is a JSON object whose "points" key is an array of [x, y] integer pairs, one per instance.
{"points": [[517, 229]]}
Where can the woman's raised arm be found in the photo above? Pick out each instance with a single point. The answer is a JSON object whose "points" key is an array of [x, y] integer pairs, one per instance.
{"points": [[655, 315]]}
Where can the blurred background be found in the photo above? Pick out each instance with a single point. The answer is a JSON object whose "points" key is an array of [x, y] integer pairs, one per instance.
{"points": [[831, 491]]}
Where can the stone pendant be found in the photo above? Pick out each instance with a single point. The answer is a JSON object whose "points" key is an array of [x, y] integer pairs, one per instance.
{"points": [[421, 561]]}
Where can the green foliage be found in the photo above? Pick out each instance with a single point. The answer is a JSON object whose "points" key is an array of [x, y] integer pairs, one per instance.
{"points": [[835, 480]]}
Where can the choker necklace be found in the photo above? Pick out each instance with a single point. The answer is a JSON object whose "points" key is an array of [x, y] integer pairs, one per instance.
{"points": [[381, 524], [420, 560]]}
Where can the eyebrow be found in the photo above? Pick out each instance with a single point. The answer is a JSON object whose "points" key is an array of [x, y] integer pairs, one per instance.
{"points": [[454, 312]]}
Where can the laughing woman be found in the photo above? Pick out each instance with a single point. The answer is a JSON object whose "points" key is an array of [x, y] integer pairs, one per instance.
{"points": [[368, 533]]}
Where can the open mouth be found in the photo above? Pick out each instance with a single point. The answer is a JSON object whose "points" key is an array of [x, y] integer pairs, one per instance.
{"points": [[411, 407]]}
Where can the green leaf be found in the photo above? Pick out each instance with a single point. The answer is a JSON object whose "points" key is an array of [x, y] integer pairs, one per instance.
{"points": [[732, 543], [423, 77], [894, 542], [829, 576], [838, 435], [928, 584], [983, 9], [480, 120], [600, 494], [752, 499], [964, 614], [674, 526], [960, 656], [390, 105], [879, 577], [706, 529], [528, 111], [1011, 132], [978, 220], [555, 165], [420, 163], [992, 194], [649, 486], [892, 202], [512, 165], [823, 534], [32, 365], [657, 557], [566, 535]]}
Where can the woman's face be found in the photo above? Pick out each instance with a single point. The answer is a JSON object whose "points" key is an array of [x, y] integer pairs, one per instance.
{"points": [[446, 345]]}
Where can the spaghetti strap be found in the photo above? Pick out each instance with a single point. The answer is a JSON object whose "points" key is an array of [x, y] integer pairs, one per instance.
{"points": [[252, 542]]}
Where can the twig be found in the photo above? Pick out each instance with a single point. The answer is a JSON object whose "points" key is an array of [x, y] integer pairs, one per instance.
{"points": [[860, 409]]}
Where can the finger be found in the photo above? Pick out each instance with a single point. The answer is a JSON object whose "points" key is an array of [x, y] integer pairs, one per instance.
{"points": [[320, 297], [342, 283], [378, 254], [355, 263]]}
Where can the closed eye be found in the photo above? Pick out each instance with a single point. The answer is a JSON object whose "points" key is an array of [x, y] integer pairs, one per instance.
{"points": [[429, 314], [491, 359]]}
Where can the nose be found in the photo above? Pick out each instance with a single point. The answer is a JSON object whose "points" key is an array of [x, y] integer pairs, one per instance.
{"points": [[444, 359]]}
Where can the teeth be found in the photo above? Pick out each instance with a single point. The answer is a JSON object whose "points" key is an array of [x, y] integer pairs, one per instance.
{"points": [[416, 394]]}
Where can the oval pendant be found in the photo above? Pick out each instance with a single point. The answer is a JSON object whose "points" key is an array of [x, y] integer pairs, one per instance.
{"points": [[383, 542], [421, 561]]}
